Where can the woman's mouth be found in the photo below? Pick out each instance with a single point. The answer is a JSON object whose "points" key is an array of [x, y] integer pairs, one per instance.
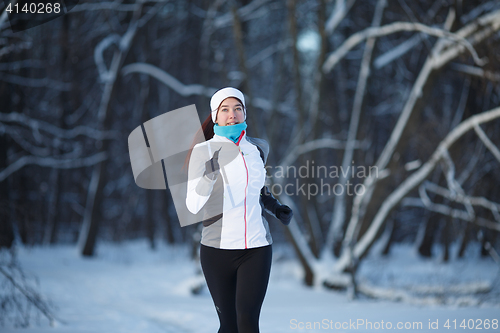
{"points": [[230, 124]]}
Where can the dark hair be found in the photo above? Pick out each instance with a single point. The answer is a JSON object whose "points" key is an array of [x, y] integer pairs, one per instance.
{"points": [[207, 129]]}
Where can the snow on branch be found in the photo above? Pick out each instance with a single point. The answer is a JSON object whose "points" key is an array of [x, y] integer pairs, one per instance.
{"points": [[115, 5], [487, 142], [162, 76], [395, 27], [338, 217], [360, 201], [34, 82], [244, 13], [267, 52], [339, 12], [476, 201], [398, 51], [15, 65], [104, 73], [448, 211], [38, 125], [15, 47], [453, 184], [15, 134], [476, 71], [5, 14], [479, 30], [429, 295], [191, 89], [362, 247], [314, 145], [52, 163]]}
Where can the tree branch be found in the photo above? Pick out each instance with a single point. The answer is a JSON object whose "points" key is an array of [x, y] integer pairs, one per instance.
{"points": [[463, 199], [37, 125], [52, 163], [35, 83], [362, 247], [290, 158], [192, 89], [487, 142], [488, 21], [244, 13], [32, 297], [476, 71], [337, 222], [338, 14]]}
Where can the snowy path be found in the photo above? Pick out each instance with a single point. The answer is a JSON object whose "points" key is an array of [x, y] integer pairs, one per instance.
{"points": [[128, 288]]}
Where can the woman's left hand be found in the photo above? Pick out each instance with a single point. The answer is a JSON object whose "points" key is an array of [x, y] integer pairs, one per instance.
{"points": [[284, 214]]}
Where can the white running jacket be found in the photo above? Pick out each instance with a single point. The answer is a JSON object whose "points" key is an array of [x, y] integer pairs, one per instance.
{"points": [[232, 213]]}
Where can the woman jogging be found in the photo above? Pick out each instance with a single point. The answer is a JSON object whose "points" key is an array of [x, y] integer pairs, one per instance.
{"points": [[226, 178]]}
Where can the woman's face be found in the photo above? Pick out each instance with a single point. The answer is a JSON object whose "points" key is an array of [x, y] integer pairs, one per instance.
{"points": [[230, 112]]}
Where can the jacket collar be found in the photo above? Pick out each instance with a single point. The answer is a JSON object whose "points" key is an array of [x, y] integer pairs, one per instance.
{"points": [[224, 139]]}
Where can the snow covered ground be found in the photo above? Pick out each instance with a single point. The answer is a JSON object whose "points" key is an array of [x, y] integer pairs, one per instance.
{"points": [[129, 288]]}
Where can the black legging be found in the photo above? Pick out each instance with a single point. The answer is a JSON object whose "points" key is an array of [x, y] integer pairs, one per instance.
{"points": [[237, 280]]}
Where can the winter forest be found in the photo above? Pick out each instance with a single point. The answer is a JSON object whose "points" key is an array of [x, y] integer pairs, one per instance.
{"points": [[383, 122]]}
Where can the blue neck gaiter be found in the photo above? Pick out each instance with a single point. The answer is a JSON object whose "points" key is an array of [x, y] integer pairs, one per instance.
{"points": [[232, 132]]}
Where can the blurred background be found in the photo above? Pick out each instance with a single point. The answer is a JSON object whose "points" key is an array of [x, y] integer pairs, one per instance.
{"points": [[409, 89]]}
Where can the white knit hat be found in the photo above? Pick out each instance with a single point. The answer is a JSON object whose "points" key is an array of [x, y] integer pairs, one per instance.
{"points": [[221, 95]]}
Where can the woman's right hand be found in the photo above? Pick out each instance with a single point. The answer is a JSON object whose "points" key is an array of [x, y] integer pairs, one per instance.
{"points": [[212, 166]]}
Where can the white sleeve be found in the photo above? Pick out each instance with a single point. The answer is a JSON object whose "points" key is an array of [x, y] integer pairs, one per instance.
{"points": [[199, 186]]}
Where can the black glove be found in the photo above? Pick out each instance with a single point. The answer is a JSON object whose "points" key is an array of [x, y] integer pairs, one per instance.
{"points": [[212, 166], [284, 214]]}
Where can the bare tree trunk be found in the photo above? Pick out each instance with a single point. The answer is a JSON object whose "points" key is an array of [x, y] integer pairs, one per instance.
{"points": [[91, 218], [335, 232], [446, 237], [143, 110], [6, 229], [465, 239], [238, 40], [208, 29], [425, 236], [388, 236], [88, 233], [169, 222], [306, 264], [56, 188], [429, 231], [50, 235], [301, 127], [313, 124], [292, 21], [150, 219]]}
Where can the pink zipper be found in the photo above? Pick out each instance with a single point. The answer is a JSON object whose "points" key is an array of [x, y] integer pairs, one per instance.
{"points": [[246, 187]]}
